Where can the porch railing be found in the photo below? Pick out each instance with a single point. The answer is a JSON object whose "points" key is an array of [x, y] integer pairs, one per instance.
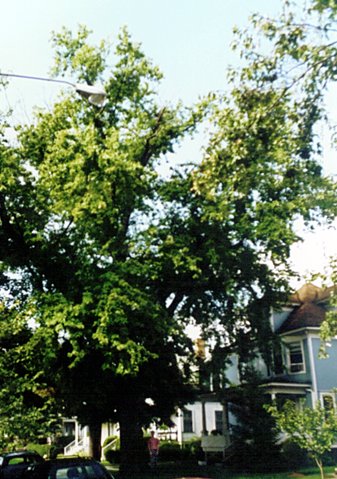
{"points": [[75, 447]]}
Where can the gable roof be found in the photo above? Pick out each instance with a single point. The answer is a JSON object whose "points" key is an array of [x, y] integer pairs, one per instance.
{"points": [[309, 305], [307, 315]]}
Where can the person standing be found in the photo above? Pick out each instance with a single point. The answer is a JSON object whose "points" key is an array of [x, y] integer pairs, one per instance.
{"points": [[153, 447]]}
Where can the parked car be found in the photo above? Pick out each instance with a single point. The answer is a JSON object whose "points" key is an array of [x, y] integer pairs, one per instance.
{"points": [[68, 468], [14, 464]]}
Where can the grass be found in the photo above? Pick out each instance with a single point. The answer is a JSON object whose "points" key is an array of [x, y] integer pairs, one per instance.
{"points": [[176, 470]]}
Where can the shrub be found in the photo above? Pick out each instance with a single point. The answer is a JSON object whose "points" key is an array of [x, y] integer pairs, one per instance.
{"points": [[192, 449], [293, 456], [171, 451], [250, 458], [112, 456], [109, 439], [330, 458]]}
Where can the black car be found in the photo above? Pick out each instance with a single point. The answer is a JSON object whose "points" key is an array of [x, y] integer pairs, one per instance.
{"points": [[68, 468], [14, 464]]}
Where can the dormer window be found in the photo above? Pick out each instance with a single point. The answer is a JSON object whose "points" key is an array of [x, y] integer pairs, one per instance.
{"points": [[295, 357]]}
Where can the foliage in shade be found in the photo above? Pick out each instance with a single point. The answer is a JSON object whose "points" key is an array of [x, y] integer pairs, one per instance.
{"points": [[253, 434]]}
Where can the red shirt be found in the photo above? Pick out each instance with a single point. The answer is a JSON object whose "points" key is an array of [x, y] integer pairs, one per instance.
{"points": [[153, 444]]}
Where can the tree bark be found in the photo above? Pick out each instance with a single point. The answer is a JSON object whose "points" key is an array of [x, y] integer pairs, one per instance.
{"points": [[320, 466], [132, 446], [95, 433]]}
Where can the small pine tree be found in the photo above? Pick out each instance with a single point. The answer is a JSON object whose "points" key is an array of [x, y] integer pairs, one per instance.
{"points": [[254, 434]]}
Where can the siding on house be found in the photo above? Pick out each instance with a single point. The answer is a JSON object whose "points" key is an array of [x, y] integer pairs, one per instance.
{"points": [[195, 409], [297, 323], [326, 368]]}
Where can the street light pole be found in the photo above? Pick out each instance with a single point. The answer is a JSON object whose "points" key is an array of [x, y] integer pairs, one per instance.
{"points": [[95, 95]]}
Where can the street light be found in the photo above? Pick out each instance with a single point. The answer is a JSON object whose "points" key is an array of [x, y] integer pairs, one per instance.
{"points": [[95, 95]]}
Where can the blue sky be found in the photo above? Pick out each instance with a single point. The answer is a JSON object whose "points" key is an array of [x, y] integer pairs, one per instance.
{"points": [[188, 39]]}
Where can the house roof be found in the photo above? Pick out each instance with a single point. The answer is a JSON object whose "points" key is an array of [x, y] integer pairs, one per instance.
{"points": [[309, 308], [307, 315]]}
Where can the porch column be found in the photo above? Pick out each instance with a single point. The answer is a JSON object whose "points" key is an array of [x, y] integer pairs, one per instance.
{"points": [[204, 431], [76, 433], [180, 426], [225, 431]]}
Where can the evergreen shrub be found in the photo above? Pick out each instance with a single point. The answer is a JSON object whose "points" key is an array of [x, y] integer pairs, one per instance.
{"points": [[293, 457], [112, 456], [109, 439], [172, 451], [192, 449]]}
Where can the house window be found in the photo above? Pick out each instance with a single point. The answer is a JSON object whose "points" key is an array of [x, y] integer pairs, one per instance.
{"points": [[219, 421], [188, 423], [295, 357]]}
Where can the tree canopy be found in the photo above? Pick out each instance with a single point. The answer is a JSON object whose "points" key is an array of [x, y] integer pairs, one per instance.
{"points": [[107, 259]]}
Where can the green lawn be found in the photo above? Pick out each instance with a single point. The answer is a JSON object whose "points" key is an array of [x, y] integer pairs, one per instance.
{"points": [[176, 470]]}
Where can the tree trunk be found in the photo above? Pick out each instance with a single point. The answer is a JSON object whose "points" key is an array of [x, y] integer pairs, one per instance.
{"points": [[320, 467], [132, 446], [95, 433]]}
